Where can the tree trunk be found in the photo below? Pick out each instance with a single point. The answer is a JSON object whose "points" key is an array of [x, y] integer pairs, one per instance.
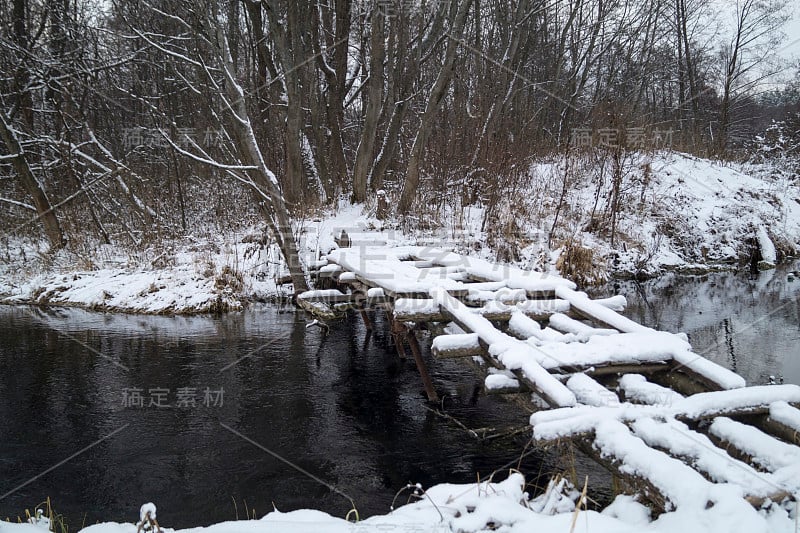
{"points": [[45, 211], [332, 62], [506, 86], [434, 99], [264, 180], [369, 132]]}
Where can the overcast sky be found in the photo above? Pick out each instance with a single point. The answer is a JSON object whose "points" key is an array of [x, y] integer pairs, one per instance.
{"points": [[792, 31]]}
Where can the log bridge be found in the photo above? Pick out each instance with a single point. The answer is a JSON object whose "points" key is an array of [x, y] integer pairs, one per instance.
{"points": [[673, 426]]}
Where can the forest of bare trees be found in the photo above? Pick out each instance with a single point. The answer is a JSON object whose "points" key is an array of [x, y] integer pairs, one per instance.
{"points": [[133, 119]]}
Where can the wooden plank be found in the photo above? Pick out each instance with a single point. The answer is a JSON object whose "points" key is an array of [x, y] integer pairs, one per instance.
{"points": [[426, 311], [318, 309], [565, 324], [699, 452], [622, 453], [531, 373], [783, 421], [643, 368], [636, 389], [452, 346], [430, 391], [714, 375], [752, 400], [757, 447], [590, 392], [327, 296], [330, 271]]}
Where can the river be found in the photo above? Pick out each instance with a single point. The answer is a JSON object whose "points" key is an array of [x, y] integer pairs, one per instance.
{"points": [[212, 417]]}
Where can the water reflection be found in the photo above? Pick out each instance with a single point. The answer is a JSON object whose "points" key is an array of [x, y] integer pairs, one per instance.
{"points": [[748, 322], [347, 411]]}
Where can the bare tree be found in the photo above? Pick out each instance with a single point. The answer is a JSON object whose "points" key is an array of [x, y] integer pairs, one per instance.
{"points": [[454, 36], [756, 34], [374, 95]]}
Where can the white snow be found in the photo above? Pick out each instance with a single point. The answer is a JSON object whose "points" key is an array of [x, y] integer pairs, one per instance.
{"points": [[615, 303], [685, 214], [463, 341], [559, 423], [174, 290], [721, 467], [562, 322], [505, 506], [636, 388], [625, 507], [681, 485], [322, 294], [766, 451], [707, 404], [599, 312], [383, 267], [769, 257], [785, 414], [500, 379], [406, 306], [590, 392], [375, 292], [148, 509]]}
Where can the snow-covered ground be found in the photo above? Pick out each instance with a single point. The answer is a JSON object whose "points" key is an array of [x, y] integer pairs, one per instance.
{"points": [[676, 212], [500, 506], [219, 273]]}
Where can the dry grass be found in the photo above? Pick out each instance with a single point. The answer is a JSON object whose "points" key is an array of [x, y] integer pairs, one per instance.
{"points": [[579, 263]]}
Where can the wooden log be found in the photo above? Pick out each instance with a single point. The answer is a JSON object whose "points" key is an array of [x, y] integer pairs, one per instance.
{"points": [[644, 368], [327, 296], [590, 392], [783, 421], [425, 310], [365, 318], [566, 324], [501, 391], [635, 484], [678, 380], [753, 445], [611, 368], [598, 313], [778, 496], [636, 389], [318, 309], [737, 402], [397, 329], [418, 310], [534, 376], [452, 346], [649, 488], [699, 452], [430, 391], [477, 296], [330, 271], [782, 431]]}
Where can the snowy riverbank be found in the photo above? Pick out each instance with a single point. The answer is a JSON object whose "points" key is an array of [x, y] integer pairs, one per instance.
{"points": [[502, 506], [676, 213]]}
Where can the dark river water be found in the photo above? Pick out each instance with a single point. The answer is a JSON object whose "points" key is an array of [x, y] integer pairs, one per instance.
{"points": [[126, 396], [202, 415]]}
